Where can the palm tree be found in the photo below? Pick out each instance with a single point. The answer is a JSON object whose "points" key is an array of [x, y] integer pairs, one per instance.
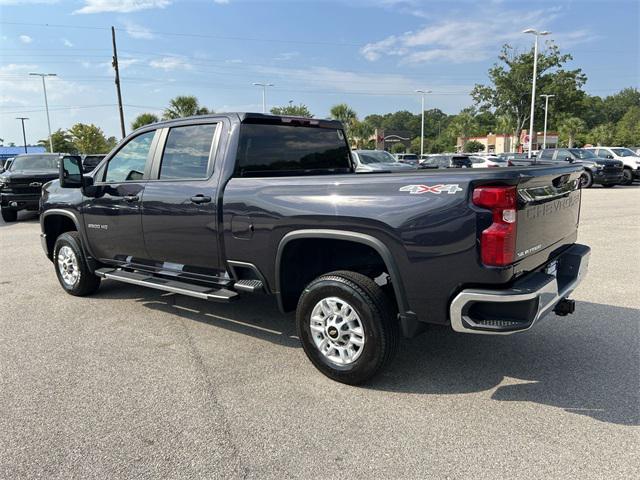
{"points": [[144, 119], [570, 128], [462, 126], [361, 132], [183, 106], [344, 113]]}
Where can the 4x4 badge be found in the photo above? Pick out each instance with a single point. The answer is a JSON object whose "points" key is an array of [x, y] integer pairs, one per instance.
{"points": [[450, 188]]}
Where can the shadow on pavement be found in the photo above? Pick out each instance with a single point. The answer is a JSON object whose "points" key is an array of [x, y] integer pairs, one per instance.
{"points": [[586, 363]]}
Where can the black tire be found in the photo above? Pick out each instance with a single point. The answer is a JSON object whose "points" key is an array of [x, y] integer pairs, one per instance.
{"points": [[608, 185], [586, 180], [627, 177], [9, 214], [86, 282], [378, 319]]}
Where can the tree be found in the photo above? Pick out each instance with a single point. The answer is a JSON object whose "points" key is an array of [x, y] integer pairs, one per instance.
{"points": [[473, 146], [570, 128], [398, 148], [628, 128], [144, 119], [617, 105], [343, 113], [602, 134], [88, 139], [510, 90], [61, 142], [295, 110], [463, 125], [360, 133], [183, 106]]}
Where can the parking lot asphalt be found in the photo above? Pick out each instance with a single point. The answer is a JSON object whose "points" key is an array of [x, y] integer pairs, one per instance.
{"points": [[135, 383]]}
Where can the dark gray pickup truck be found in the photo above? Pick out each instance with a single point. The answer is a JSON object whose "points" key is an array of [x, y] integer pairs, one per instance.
{"points": [[220, 207]]}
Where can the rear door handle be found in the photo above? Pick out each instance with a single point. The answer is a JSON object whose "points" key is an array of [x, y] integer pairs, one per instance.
{"points": [[131, 198], [200, 198]]}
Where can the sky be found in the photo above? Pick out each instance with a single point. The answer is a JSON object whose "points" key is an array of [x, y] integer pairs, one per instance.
{"points": [[371, 54]]}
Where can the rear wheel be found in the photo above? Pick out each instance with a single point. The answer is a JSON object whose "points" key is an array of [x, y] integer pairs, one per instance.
{"points": [[627, 176], [71, 266], [9, 214], [347, 327], [586, 180]]}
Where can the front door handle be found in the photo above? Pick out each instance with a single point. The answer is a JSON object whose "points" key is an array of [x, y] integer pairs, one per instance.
{"points": [[200, 198], [131, 198]]}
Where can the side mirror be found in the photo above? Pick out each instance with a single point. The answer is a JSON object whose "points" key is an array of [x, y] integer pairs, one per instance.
{"points": [[70, 172], [568, 159], [610, 157]]}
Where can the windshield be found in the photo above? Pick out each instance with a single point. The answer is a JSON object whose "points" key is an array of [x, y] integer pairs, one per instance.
{"points": [[368, 157], [34, 162], [583, 154], [623, 152]]}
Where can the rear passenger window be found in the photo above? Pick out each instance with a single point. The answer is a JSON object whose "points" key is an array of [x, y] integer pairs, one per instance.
{"points": [[546, 155], [186, 152]]}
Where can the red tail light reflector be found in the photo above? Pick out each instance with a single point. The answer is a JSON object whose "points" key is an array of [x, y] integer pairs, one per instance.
{"points": [[498, 242]]}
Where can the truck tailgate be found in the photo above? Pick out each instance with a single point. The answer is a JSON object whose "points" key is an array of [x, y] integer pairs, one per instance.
{"points": [[548, 211]]}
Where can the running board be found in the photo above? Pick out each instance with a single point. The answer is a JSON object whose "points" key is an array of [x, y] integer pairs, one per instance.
{"points": [[173, 286]]}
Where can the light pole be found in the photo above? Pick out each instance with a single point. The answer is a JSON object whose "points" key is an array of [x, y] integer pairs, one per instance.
{"points": [[422, 94], [533, 87], [264, 94], [46, 103], [546, 108], [24, 135]]}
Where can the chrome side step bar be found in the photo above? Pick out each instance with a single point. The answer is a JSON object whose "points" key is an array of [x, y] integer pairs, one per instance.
{"points": [[173, 286]]}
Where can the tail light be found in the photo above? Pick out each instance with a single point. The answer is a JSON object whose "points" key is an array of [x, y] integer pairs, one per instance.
{"points": [[498, 242]]}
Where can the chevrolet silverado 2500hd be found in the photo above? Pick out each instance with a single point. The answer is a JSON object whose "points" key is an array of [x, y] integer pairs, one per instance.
{"points": [[220, 207]]}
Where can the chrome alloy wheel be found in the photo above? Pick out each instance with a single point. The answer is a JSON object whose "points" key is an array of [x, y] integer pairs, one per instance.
{"points": [[68, 266], [337, 331]]}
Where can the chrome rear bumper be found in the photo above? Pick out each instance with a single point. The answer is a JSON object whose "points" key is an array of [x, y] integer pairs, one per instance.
{"points": [[502, 312]]}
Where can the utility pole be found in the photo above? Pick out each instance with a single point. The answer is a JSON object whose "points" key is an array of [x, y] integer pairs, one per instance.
{"points": [[115, 67], [264, 94], [24, 135], [546, 108], [533, 87], [46, 103], [422, 93]]}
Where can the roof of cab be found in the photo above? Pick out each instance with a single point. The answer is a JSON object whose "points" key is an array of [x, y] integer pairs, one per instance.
{"points": [[251, 117]]}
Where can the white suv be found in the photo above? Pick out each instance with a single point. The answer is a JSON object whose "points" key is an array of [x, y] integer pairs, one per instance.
{"points": [[628, 157]]}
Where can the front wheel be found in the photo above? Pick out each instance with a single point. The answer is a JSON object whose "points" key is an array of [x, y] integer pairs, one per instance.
{"points": [[71, 266], [9, 214], [586, 180], [627, 176], [347, 327]]}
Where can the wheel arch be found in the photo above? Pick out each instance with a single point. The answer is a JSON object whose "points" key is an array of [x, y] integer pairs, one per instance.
{"points": [[344, 236]]}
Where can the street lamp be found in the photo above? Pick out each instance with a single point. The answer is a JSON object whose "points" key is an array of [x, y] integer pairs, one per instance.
{"points": [[264, 94], [24, 135], [546, 107], [422, 94], [46, 104], [533, 88]]}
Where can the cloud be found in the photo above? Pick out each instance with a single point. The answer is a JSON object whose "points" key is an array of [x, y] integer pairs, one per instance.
{"points": [[120, 6], [170, 63], [284, 56], [135, 30], [460, 41], [67, 43], [25, 39]]}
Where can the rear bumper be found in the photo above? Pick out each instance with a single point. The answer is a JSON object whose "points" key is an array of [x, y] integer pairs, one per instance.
{"points": [[502, 312]]}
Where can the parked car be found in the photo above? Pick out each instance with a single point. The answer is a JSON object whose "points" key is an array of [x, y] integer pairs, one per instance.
{"points": [[89, 162], [447, 161], [21, 183], [367, 161], [5, 163], [409, 158], [515, 156], [488, 161], [628, 157], [607, 173], [221, 206]]}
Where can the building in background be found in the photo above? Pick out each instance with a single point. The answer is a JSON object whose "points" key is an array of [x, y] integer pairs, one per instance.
{"points": [[502, 143], [385, 140]]}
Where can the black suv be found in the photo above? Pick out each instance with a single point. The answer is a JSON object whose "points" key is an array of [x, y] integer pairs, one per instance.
{"points": [[607, 173], [447, 161]]}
